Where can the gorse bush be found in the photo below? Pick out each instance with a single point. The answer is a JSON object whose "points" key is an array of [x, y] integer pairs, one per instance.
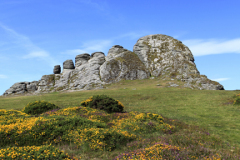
{"points": [[103, 102], [237, 99], [39, 107]]}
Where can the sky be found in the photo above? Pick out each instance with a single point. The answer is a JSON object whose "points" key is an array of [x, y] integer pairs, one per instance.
{"points": [[36, 35]]}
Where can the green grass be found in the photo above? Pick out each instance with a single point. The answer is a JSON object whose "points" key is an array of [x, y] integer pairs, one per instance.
{"points": [[196, 124]]}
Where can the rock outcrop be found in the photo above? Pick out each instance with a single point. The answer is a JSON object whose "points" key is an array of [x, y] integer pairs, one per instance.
{"points": [[153, 56], [22, 87], [165, 56], [68, 64], [57, 69], [122, 64]]}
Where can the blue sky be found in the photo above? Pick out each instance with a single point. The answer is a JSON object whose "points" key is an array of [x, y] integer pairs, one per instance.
{"points": [[35, 35]]}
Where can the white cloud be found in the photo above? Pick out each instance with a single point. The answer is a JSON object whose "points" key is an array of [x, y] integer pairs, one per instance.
{"points": [[40, 54], [32, 50], [201, 47], [103, 45], [21, 40], [220, 79], [90, 47], [2, 76]]}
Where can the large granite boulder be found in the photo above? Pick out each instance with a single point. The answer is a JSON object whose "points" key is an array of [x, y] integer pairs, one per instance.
{"points": [[165, 56], [122, 64], [156, 55], [68, 64]]}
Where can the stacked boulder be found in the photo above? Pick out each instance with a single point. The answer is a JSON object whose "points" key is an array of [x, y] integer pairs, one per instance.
{"points": [[86, 74], [156, 55], [68, 64], [57, 69]]}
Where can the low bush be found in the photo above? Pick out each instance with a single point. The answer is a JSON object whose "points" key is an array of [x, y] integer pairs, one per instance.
{"points": [[103, 102], [38, 107]]}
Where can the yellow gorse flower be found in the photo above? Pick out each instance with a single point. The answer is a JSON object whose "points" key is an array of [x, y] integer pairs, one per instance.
{"points": [[119, 103]]}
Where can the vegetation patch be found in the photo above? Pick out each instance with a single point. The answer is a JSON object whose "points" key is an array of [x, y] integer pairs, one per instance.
{"points": [[82, 125], [130, 59], [72, 78], [147, 44], [195, 76], [237, 99], [210, 82], [51, 79], [52, 88], [103, 102], [173, 74], [178, 45], [82, 132], [60, 88]]}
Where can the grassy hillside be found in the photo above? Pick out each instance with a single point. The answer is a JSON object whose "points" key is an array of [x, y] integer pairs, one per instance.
{"points": [[212, 111]]}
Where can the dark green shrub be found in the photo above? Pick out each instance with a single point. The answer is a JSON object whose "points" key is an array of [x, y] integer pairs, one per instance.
{"points": [[103, 102], [39, 107], [237, 100]]}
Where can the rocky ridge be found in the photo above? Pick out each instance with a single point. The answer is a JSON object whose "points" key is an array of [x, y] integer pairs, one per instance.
{"points": [[156, 55]]}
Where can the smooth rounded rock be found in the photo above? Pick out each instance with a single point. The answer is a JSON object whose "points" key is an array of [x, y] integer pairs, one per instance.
{"points": [[68, 64]]}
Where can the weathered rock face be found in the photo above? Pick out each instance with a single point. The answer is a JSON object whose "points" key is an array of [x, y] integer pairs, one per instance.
{"points": [[154, 55], [165, 56], [57, 69], [68, 64], [122, 64], [85, 76], [22, 87], [47, 82], [81, 59]]}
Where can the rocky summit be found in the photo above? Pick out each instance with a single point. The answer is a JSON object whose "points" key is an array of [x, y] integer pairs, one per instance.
{"points": [[156, 55]]}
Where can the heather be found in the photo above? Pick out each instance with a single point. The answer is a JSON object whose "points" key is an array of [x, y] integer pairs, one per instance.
{"points": [[157, 123]]}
